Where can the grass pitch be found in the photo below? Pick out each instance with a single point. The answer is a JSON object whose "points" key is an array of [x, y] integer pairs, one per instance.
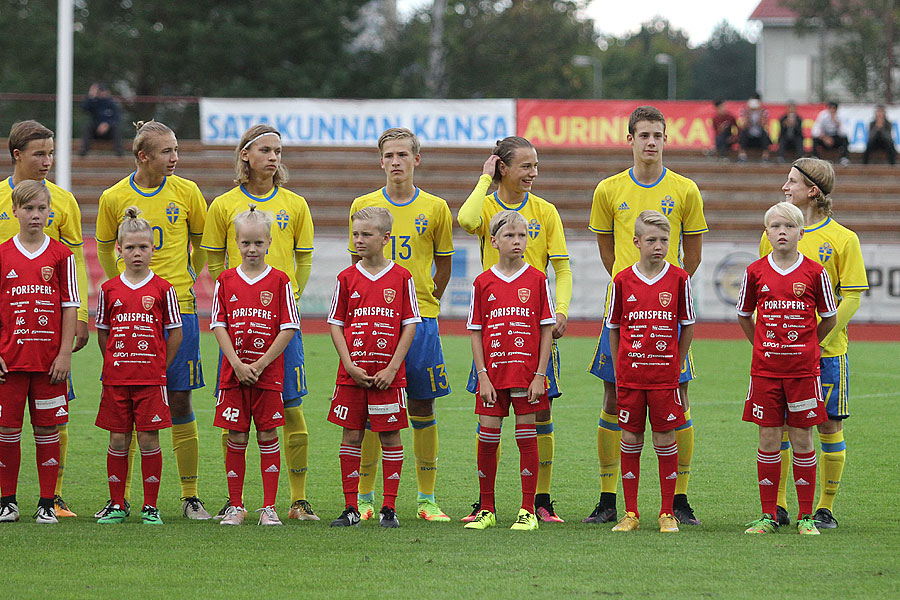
{"points": [[79, 559]]}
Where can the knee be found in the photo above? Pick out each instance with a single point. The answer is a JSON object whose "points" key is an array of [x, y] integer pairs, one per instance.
{"points": [[420, 408], [180, 403]]}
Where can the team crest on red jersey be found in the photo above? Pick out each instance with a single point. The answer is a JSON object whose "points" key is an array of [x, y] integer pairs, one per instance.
{"points": [[46, 273], [524, 295], [147, 302], [799, 288], [389, 295], [665, 298], [265, 297]]}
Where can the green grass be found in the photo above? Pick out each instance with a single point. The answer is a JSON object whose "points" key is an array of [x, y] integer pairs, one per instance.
{"points": [[79, 559]]}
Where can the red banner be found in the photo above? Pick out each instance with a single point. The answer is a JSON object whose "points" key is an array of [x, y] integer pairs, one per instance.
{"points": [[604, 123]]}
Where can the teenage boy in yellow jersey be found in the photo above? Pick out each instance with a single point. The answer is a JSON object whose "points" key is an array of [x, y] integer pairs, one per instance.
{"points": [[618, 200], [261, 176], [420, 237], [31, 149], [176, 211], [513, 166]]}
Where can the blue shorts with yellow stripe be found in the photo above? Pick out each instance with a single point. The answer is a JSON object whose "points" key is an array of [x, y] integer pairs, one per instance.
{"points": [[553, 390], [294, 387], [601, 365], [835, 376], [185, 373], [426, 375]]}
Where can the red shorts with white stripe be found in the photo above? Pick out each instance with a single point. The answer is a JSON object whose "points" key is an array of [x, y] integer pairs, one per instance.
{"points": [[666, 410], [519, 402], [127, 407], [352, 406], [773, 401], [236, 405], [47, 402]]}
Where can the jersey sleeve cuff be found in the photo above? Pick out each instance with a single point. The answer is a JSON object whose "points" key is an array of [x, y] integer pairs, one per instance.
{"points": [[214, 324], [552, 256], [173, 326], [289, 326], [70, 244], [595, 230], [212, 247], [70, 304], [410, 321], [101, 326], [687, 322], [612, 325], [695, 231], [112, 241], [472, 327], [296, 249], [550, 321], [830, 313], [335, 322], [744, 314], [446, 253]]}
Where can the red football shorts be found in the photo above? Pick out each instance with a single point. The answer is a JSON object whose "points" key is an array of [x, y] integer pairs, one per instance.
{"points": [[236, 405], [47, 402], [773, 401], [519, 402], [127, 407], [352, 406], [665, 408]]}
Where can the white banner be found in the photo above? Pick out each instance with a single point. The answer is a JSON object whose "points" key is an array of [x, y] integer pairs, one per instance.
{"points": [[313, 122], [715, 284], [856, 119]]}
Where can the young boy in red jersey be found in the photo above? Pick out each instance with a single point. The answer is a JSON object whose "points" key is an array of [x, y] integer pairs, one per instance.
{"points": [[511, 317], [254, 318], [38, 308], [373, 319], [786, 290], [139, 331], [648, 303]]}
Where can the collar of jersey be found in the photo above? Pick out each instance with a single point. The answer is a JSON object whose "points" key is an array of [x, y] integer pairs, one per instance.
{"points": [[521, 206], [249, 281], [377, 276], [647, 280], [818, 225], [12, 186], [787, 271], [31, 255], [146, 194], [512, 277], [258, 198], [654, 184], [388, 198], [137, 285]]}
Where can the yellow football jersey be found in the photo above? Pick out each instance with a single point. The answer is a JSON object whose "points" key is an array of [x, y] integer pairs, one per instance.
{"points": [[292, 232], [837, 249], [618, 200], [177, 213], [546, 238], [422, 230], [63, 225]]}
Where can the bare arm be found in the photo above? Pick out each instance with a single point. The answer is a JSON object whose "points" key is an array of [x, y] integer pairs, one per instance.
{"points": [[62, 364], [693, 248], [442, 266], [684, 342], [825, 326], [102, 339], [614, 348], [607, 245], [280, 342], [385, 377], [747, 326], [81, 327], [539, 382], [173, 342], [485, 387], [245, 374], [358, 374]]}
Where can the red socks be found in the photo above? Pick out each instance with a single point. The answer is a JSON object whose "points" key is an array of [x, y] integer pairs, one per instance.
{"points": [[526, 439], [805, 480], [117, 471], [151, 471], [235, 468], [488, 441], [391, 466], [768, 469], [668, 475], [10, 460], [47, 457], [350, 457], [631, 474], [270, 466]]}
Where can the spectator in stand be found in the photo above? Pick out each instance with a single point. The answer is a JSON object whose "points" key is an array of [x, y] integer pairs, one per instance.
{"points": [[881, 137], [791, 136], [828, 132], [104, 119], [753, 129], [724, 125]]}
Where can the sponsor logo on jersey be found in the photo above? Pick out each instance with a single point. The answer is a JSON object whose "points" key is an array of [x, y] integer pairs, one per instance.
{"points": [[389, 295], [147, 302], [381, 343], [117, 303], [272, 469], [525, 472], [491, 298], [282, 218], [667, 205], [623, 206], [421, 223], [665, 298], [765, 481], [258, 343], [394, 476], [61, 412], [628, 475], [47, 273], [518, 342], [4, 216], [392, 419], [631, 298], [534, 229], [799, 288], [524, 295], [172, 212], [152, 479], [793, 335], [765, 288], [266, 297], [12, 274], [143, 345], [277, 415], [825, 252], [354, 295]]}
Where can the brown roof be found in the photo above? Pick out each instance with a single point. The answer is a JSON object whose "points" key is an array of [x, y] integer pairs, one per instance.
{"points": [[772, 9]]}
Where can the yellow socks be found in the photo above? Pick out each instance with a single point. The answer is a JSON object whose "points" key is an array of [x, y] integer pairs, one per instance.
{"points": [[785, 467], [186, 445], [63, 451], [425, 449], [684, 437], [831, 466], [296, 450], [608, 448], [546, 445], [368, 465]]}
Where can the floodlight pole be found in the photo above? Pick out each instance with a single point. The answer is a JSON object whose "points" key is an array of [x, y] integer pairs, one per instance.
{"points": [[582, 60], [64, 45], [668, 59]]}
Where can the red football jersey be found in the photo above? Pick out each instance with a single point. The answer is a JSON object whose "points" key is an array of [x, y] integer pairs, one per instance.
{"points": [[372, 309], [254, 311], [647, 313], [136, 315], [786, 301], [510, 312], [34, 288]]}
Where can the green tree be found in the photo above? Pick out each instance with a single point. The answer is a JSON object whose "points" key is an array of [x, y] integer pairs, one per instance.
{"points": [[725, 66]]}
